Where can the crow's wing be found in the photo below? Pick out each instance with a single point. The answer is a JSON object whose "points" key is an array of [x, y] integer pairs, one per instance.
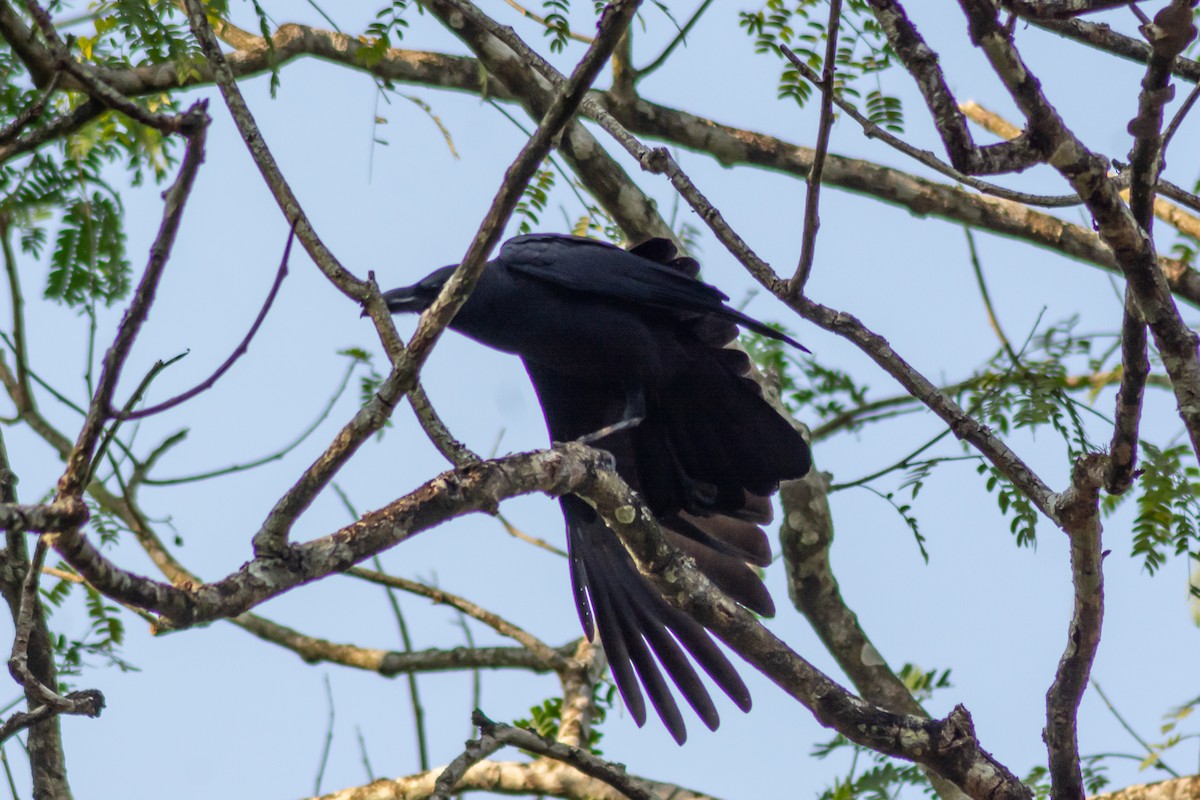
{"points": [[636, 277]]}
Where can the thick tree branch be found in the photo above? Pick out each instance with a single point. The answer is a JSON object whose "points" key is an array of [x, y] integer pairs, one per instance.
{"points": [[543, 778], [1102, 37], [1059, 9], [44, 743], [481, 487], [922, 63], [1079, 509], [493, 736]]}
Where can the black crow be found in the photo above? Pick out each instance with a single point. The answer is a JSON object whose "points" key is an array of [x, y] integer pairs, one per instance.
{"points": [[627, 348]]}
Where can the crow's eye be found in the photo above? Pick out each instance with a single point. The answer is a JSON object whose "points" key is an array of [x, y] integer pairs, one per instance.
{"points": [[433, 283]]}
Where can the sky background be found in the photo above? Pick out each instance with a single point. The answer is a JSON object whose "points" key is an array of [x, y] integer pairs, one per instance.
{"points": [[214, 711]]}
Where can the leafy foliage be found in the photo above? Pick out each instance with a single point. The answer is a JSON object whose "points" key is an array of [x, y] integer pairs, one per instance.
{"points": [[139, 32], [1012, 501], [558, 27], [883, 779], [546, 719], [370, 382], [1168, 505], [1032, 390], [384, 33], [533, 200], [1091, 767], [103, 637], [88, 260], [804, 383], [862, 52]]}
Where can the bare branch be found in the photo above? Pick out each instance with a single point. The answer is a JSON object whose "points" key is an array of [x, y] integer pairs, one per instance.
{"points": [[1059, 9], [1104, 38], [79, 461], [476, 750], [922, 63], [494, 735], [565, 468], [1170, 213], [927, 158], [390, 663], [88, 702], [543, 778], [30, 113], [1079, 509], [494, 621], [680, 38], [812, 219], [237, 353]]}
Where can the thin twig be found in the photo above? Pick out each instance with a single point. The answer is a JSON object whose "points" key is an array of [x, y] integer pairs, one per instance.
{"points": [[414, 693], [1177, 120], [237, 353], [1150, 751], [30, 113], [492, 620], [258, 462], [24, 396], [680, 38], [927, 158], [993, 320], [135, 398], [524, 12], [327, 746], [476, 750], [78, 462], [812, 219]]}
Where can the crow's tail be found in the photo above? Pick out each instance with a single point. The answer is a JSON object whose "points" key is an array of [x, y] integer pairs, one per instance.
{"points": [[637, 626]]}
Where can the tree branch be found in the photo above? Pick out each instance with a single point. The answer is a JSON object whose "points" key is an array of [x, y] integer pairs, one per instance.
{"points": [[1079, 509], [79, 460], [812, 219]]}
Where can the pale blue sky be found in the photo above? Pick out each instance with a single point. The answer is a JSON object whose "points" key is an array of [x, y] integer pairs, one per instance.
{"points": [[216, 712]]}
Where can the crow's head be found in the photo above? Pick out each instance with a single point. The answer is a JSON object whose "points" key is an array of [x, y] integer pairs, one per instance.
{"points": [[420, 295]]}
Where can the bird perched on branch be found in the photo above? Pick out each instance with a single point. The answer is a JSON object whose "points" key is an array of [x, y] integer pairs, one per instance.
{"points": [[627, 349]]}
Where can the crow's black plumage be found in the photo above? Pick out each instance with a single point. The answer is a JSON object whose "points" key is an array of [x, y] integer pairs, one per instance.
{"points": [[633, 340]]}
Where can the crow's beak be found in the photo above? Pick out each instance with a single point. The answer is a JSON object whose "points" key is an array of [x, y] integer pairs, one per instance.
{"points": [[402, 299]]}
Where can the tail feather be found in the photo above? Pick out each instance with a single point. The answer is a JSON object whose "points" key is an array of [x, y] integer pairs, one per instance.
{"points": [[637, 626], [731, 574]]}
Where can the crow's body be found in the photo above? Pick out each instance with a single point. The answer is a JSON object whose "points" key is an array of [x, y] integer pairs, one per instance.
{"points": [[607, 336]]}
